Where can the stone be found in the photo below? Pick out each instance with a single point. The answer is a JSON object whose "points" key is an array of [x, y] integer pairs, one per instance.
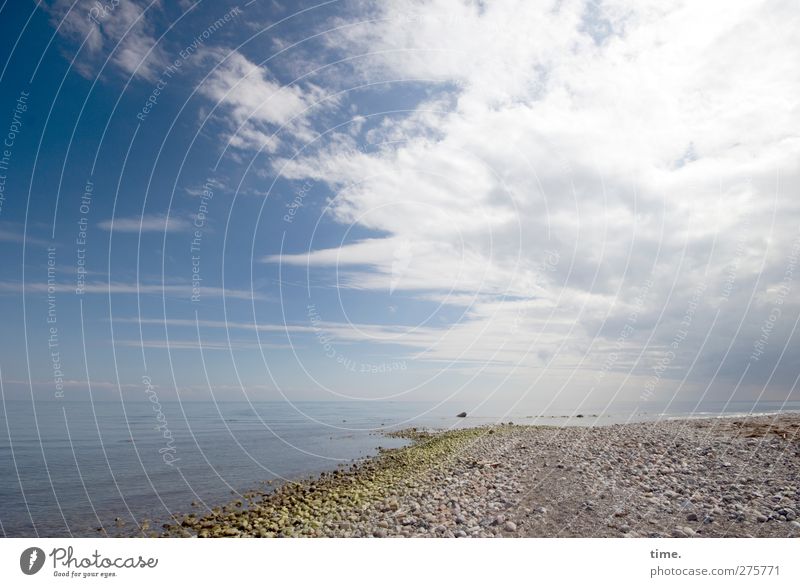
{"points": [[510, 526]]}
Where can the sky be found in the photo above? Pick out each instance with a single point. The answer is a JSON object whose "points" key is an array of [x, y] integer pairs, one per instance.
{"points": [[539, 204]]}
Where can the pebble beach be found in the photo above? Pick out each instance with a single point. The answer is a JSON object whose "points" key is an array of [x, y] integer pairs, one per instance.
{"points": [[715, 477]]}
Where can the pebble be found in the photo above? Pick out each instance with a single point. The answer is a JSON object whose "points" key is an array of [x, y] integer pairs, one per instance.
{"points": [[637, 474]]}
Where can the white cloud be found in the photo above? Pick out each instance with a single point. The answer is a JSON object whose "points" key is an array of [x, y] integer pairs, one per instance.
{"points": [[220, 324], [261, 110], [146, 223], [640, 141], [121, 32], [120, 288], [12, 233], [194, 345]]}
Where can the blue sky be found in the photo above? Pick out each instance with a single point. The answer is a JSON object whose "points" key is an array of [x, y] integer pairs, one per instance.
{"points": [[516, 202]]}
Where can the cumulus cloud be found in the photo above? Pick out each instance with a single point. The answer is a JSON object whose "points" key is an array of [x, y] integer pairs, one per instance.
{"points": [[652, 147], [121, 32], [259, 108]]}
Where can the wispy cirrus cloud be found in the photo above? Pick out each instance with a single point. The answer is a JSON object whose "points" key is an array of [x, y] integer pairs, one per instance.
{"points": [[122, 288], [11, 233], [217, 324], [195, 345], [147, 223]]}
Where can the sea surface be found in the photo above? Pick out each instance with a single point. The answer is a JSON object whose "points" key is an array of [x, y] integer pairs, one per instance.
{"points": [[67, 469]]}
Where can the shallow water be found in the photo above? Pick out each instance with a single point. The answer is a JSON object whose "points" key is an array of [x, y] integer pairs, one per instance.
{"points": [[68, 468]]}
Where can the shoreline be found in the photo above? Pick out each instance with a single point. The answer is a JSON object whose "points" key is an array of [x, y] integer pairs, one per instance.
{"points": [[734, 476]]}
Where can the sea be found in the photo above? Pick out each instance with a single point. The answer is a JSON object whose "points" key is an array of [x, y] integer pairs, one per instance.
{"points": [[74, 468]]}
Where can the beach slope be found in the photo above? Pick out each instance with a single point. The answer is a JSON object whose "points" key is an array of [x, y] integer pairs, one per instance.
{"points": [[681, 478]]}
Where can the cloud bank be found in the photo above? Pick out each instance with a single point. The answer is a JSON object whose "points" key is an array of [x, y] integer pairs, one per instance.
{"points": [[598, 188]]}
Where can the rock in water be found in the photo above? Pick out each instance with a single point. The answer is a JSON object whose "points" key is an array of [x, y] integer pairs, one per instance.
{"points": [[462, 415]]}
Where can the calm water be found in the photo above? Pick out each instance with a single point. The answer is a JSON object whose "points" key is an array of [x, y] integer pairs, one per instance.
{"points": [[68, 468]]}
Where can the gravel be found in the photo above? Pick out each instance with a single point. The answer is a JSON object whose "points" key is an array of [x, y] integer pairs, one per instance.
{"points": [[682, 478]]}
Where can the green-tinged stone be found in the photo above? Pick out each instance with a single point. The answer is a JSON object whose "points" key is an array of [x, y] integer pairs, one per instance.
{"points": [[316, 507]]}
